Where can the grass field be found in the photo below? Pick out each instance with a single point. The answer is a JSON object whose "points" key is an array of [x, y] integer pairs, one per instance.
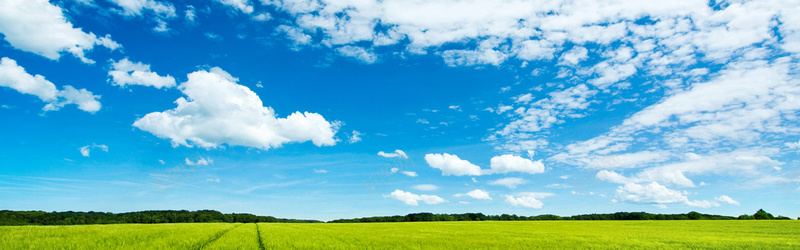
{"points": [[419, 235]]}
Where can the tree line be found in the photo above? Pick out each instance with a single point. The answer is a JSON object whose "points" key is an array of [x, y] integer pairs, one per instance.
{"points": [[8, 217], [761, 214]]}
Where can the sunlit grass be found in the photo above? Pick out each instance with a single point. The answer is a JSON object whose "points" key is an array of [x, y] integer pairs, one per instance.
{"points": [[538, 235], [415, 235], [121, 236]]}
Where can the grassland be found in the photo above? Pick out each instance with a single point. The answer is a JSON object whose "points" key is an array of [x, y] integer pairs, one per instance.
{"points": [[414, 235]]}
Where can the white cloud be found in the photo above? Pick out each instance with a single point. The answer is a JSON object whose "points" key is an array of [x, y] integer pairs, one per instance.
{"points": [[15, 77], [529, 200], [727, 199], [296, 35], [512, 163], [523, 132], [612, 177], [649, 193], [39, 27], [535, 50], [558, 185], [157, 9], [191, 14], [654, 193], [526, 98], [484, 54], [212, 36], [397, 154], [355, 137], [503, 108], [702, 204], [409, 173], [425, 187], [476, 194], [574, 56], [125, 72], [320, 171], [263, 17], [138, 7], [452, 165], [85, 150], [199, 162], [241, 5], [218, 111], [414, 199], [213, 180], [793, 145], [358, 53], [509, 182], [629, 160]]}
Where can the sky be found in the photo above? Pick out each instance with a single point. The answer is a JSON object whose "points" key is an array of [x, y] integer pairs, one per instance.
{"points": [[327, 109]]}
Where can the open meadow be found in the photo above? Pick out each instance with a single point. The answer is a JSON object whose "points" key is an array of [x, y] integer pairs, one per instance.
{"points": [[413, 235]]}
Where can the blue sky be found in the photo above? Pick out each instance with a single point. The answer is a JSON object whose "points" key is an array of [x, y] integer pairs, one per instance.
{"points": [[326, 109]]}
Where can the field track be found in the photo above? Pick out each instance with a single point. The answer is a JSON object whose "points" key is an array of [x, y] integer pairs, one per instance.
{"points": [[416, 235]]}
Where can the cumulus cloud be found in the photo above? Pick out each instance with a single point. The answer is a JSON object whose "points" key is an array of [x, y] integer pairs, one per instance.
{"points": [[296, 35], [629, 160], [218, 111], [409, 173], [574, 56], [358, 53], [85, 150], [355, 137], [524, 131], [39, 27], [675, 173], [15, 77], [201, 161], [476, 194], [191, 14], [529, 200], [414, 199], [158, 10], [425, 187], [263, 17], [510, 182], [241, 5], [727, 199], [397, 154], [793, 145], [452, 165], [138, 7], [484, 54], [125, 72], [655, 193], [512, 163]]}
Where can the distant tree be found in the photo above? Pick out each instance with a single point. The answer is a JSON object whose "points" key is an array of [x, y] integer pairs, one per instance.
{"points": [[763, 215], [695, 215]]}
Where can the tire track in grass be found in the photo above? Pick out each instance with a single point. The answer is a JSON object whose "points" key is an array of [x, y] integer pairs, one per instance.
{"points": [[260, 240], [216, 237]]}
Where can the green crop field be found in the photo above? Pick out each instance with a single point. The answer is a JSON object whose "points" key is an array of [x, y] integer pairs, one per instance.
{"points": [[413, 235]]}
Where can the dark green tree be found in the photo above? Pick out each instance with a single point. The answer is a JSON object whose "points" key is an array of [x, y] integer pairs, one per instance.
{"points": [[763, 215]]}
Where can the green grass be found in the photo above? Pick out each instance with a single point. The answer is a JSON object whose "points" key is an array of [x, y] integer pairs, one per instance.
{"points": [[419, 235]]}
